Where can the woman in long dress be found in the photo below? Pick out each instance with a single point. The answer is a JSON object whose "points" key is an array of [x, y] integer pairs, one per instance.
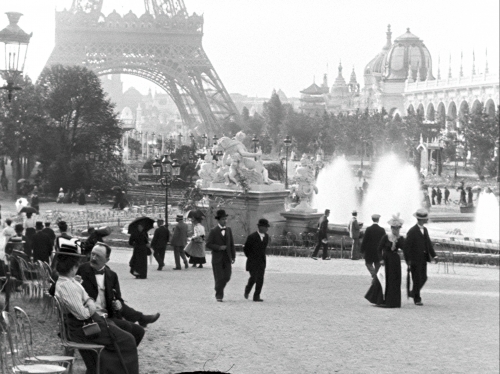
{"points": [[390, 260], [139, 261], [196, 246]]}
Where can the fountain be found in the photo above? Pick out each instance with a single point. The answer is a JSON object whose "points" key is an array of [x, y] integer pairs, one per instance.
{"points": [[487, 217]]}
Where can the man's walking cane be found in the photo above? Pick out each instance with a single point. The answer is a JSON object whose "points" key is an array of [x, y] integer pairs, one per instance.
{"points": [[115, 344]]}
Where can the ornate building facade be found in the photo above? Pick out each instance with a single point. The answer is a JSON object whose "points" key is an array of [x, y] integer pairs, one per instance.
{"points": [[399, 78]]}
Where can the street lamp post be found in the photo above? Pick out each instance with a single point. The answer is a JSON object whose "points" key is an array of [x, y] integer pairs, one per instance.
{"points": [[457, 142], [13, 52], [255, 141], [205, 140], [288, 143], [169, 170], [193, 143], [215, 139]]}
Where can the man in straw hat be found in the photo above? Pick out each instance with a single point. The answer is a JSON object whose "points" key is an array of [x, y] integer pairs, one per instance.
{"points": [[255, 250], [179, 241], [220, 241], [369, 245], [418, 251]]}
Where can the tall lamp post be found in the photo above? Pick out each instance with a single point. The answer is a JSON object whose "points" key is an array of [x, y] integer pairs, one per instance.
{"points": [[13, 52], [288, 143], [205, 140], [169, 170], [457, 143], [193, 143]]}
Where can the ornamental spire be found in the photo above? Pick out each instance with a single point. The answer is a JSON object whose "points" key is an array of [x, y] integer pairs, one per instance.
{"points": [[389, 37], [439, 67], [461, 73], [449, 68], [473, 63], [486, 68]]}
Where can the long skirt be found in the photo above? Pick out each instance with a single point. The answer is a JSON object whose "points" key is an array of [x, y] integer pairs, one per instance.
{"points": [[110, 362], [196, 252], [139, 262], [392, 286]]}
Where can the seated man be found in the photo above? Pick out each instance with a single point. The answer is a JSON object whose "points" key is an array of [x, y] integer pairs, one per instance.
{"points": [[101, 283]]}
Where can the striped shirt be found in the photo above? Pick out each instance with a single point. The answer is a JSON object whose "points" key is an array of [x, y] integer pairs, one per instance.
{"points": [[73, 296]]}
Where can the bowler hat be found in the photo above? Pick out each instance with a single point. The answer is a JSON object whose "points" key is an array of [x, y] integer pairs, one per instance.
{"points": [[221, 214], [354, 212], [263, 222], [421, 214], [39, 225]]}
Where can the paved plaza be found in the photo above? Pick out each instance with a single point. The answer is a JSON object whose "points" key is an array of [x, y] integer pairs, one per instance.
{"points": [[314, 320]]}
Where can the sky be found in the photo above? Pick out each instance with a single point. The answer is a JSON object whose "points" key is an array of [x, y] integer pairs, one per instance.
{"points": [[260, 45]]}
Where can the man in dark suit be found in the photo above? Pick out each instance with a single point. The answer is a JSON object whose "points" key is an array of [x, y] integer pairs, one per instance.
{"points": [[101, 284], [63, 228], [354, 228], [255, 250], [179, 241], [49, 232], [418, 251], [159, 243], [322, 237], [220, 241], [42, 245], [369, 245]]}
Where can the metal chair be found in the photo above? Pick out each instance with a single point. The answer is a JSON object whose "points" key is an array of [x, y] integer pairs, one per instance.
{"points": [[65, 339], [25, 334], [15, 349]]}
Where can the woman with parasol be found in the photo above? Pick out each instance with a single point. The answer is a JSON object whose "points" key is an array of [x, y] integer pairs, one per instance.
{"points": [[139, 240], [388, 293], [196, 245], [120, 350]]}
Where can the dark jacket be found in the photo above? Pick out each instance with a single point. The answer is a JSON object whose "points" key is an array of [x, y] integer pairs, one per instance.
{"points": [[255, 250], [322, 227], [180, 235], [110, 283], [50, 233], [371, 240], [215, 240], [42, 247], [160, 238], [418, 247]]}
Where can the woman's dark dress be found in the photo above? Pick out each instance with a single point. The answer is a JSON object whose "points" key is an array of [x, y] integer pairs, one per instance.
{"points": [[139, 261], [392, 274]]}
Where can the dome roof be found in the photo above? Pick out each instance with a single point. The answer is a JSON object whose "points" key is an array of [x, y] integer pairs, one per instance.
{"points": [[377, 64], [408, 51]]}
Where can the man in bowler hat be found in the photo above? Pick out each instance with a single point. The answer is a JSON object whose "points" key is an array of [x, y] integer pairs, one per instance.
{"points": [[418, 251], [159, 243], [220, 241], [369, 245], [179, 241], [255, 250]]}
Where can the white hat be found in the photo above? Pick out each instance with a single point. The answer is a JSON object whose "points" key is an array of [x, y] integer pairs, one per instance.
{"points": [[421, 214], [395, 221], [61, 189]]}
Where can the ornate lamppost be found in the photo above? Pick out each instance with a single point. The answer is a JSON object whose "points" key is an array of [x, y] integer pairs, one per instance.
{"points": [[13, 52], [205, 140], [288, 143], [255, 141], [457, 143], [193, 143], [169, 170]]}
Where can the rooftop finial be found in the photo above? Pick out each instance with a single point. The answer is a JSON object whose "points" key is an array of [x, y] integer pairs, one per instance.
{"points": [[389, 36], [340, 68], [486, 69], [473, 62], [407, 29], [439, 67], [461, 74], [449, 68]]}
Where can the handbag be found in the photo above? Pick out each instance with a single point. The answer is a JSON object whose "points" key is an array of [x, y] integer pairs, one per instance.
{"points": [[91, 330]]}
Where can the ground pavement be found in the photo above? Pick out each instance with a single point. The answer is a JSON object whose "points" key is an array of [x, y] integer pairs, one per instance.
{"points": [[314, 320]]}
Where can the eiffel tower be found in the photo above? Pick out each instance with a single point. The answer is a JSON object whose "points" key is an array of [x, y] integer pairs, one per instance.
{"points": [[164, 46]]}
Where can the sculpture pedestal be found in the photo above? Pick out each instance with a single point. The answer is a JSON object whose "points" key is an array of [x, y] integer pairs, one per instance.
{"points": [[299, 221], [245, 210]]}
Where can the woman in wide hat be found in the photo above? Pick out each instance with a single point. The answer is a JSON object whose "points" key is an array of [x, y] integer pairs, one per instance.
{"points": [[389, 294], [195, 248]]}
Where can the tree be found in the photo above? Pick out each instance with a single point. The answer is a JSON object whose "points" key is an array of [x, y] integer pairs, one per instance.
{"points": [[81, 123], [481, 131], [22, 126], [274, 114], [245, 114]]}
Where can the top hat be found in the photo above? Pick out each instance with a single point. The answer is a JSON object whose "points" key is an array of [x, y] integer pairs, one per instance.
{"points": [[179, 217], [375, 217], [221, 214], [263, 222], [421, 214], [354, 212], [39, 225]]}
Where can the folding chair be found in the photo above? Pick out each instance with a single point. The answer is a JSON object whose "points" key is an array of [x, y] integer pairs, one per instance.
{"points": [[70, 346], [15, 349]]}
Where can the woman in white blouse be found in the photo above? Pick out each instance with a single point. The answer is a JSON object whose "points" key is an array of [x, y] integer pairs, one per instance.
{"points": [[196, 246], [81, 309]]}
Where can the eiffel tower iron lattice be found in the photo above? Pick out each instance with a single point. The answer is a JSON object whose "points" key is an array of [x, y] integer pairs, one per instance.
{"points": [[164, 46]]}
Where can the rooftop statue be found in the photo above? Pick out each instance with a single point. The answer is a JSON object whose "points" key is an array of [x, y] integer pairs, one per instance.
{"points": [[304, 186]]}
